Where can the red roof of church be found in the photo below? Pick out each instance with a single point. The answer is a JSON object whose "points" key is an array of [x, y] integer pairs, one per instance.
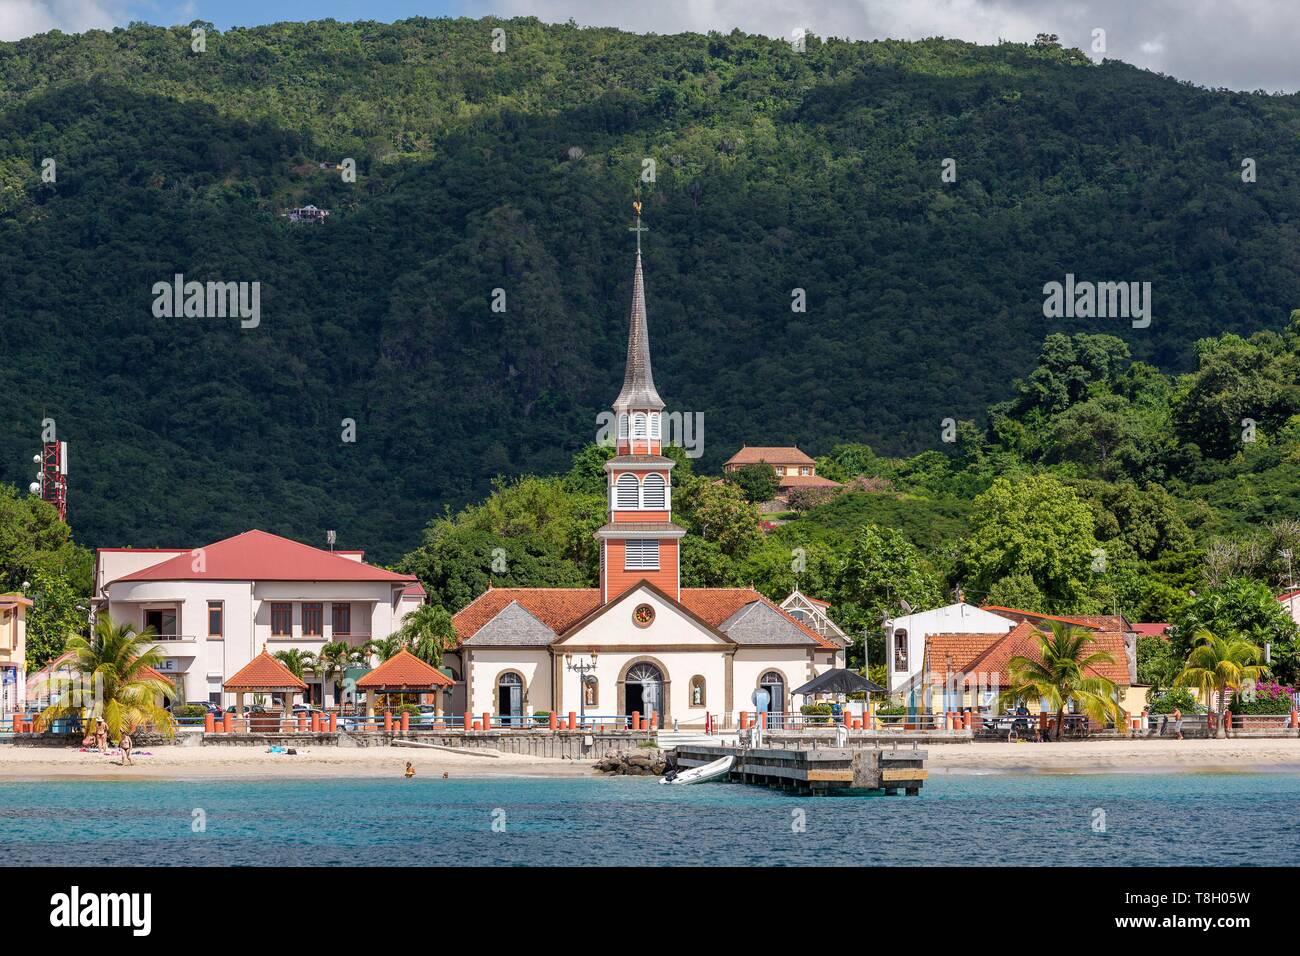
{"points": [[259, 556], [404, 669], [264, 672], [562, 608]]}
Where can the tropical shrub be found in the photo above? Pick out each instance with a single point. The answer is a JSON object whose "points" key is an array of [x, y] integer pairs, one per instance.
{"points": [[1267, 698], [1166, 702]]}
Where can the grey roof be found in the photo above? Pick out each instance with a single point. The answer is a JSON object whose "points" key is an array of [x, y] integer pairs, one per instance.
{"points": [[513, 626], [638, 382], [760, 623], [640, 461], [640, 529]]}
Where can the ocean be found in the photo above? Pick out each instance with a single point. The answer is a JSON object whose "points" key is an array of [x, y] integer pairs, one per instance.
{"points": [[1200, 819]]}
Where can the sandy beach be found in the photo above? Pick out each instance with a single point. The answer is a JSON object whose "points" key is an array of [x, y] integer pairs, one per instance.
{"points": [[1132, 756], [184, 763]]}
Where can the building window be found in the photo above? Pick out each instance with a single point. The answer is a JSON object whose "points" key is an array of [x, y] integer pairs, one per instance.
{"points": [[639, 426], [642, 555], [780, 470], [281, 620], [654, 493], [312, 617], [627, 493], [655, 430], [622, 425], [341, 619], [216, 618], [805, 471], [697, 691], [900, 651]]}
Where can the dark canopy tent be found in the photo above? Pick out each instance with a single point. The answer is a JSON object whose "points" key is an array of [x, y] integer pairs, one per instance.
{"points": [[839, 681]]}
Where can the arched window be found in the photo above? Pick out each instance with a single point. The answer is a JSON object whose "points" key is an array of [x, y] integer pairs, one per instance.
{"points": [[654, 426], [697, 691], [622, 424], [774, 684], [627, 493], [900, 650], [654, 493], [639, 426]]}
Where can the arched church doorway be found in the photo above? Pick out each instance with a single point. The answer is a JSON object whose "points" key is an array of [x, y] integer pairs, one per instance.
{"points": [[644, 691], [774, 684], [510, 698]]}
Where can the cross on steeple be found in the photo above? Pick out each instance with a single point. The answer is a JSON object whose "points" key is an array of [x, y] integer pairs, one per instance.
{"points": [[638, 228]]}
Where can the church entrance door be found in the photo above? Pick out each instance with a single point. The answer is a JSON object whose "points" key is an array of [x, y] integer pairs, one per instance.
{"points": [[644, 692]]}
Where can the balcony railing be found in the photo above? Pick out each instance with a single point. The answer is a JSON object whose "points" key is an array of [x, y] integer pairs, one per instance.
{"points": [[175, 638]]}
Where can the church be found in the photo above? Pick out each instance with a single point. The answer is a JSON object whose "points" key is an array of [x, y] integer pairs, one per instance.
{"points": [[640, 642]]}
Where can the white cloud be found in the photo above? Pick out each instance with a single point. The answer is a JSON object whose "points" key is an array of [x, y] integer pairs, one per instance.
{"points": [[21, 18]]}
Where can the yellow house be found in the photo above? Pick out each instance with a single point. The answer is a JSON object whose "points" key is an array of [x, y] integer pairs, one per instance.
{"points": [[13, 652]]}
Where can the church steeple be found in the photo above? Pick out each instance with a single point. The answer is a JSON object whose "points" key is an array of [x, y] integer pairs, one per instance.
{"points": [[638, 380], [640, 542]]}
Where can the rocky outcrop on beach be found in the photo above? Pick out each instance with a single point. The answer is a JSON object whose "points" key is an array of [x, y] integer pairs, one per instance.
{"points": [[644, 761]]}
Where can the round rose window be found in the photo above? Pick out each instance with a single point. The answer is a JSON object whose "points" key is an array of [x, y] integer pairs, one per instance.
{"points": [[643, 616]]}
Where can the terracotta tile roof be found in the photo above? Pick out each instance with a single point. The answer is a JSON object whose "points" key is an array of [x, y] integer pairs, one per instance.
{"points": [[404, 670], [1095, 621], [258, 556], [561, 608], [13, 600], [263, 672], [1151, 630], [753, 454], [1288, 596], [806, 481], [989, 654]]}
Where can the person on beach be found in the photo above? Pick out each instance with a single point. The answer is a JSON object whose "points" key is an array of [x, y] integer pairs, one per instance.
{"points": [[125, 744], [101, 735], [410, 771], [1178, 722]]}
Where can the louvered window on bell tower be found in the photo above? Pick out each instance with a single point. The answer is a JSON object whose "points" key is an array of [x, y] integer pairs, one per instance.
{"points": [[642, 555], [654, 493], [639, 426], [654, 426], [627, 493], [622, 425]]}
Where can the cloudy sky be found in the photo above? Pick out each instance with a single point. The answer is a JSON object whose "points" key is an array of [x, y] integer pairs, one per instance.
{"points": [[1240, 44]]}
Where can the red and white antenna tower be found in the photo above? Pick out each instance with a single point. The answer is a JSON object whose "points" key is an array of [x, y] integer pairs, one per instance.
{"points": [[52, 482]]}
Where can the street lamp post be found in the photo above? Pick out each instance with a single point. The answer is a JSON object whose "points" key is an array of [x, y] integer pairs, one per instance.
{"points": [[583, 671]]}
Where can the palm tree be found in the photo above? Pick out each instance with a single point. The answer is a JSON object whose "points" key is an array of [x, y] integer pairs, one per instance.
{"points": [[386, 647], [116, 679], [1220, 664], [298, 662], [1062, 674], [332, 661], [427, 632]]}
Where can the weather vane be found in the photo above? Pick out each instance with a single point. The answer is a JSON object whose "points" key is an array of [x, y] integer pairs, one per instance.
{"points": [[638, 228]]}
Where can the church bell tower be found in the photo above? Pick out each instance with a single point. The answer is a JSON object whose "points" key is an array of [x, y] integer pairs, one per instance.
{"points": [[639, 541]]}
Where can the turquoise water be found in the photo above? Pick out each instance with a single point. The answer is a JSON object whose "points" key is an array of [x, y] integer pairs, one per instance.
{"points": [[1197, 819]]}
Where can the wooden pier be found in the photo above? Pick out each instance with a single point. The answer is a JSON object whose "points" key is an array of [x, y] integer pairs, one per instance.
{"points": [[817, 771]]}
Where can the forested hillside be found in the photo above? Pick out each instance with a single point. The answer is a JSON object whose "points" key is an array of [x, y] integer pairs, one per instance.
{"points": [[478, 170]]}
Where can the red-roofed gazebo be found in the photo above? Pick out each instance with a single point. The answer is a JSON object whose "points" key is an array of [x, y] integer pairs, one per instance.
{"points": [[263, 675], [404, 673]]}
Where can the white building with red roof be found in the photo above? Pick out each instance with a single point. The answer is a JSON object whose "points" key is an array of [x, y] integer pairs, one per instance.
{"points": [[645, 644], [215, 607]]}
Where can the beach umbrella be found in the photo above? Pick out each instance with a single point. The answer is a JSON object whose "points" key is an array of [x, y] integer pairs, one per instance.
{"points": [[838, 680]]}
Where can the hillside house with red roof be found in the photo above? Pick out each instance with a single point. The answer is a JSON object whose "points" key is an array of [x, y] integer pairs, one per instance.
{"points": [[649, 645], [214, 608]]}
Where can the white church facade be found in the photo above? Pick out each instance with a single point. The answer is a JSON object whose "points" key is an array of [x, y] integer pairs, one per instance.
{"points": [[639, 642]]}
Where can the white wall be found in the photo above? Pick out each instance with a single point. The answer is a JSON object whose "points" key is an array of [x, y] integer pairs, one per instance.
{"points": [[952, 619]]}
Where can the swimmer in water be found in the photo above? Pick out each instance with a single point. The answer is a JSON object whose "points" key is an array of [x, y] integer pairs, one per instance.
{"points": [[410, 771]]}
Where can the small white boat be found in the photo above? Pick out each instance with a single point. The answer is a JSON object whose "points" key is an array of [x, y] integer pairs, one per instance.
{"points": [[710, 771]]}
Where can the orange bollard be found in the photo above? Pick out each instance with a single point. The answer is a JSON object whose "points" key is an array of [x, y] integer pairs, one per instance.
{"points": [[708, 722], [573, 720], [469, 720], [302, 723], [334, 723], [406, 722], [636, 720], [487, 720], [1227, 722], [388, 721], [744, 720], [1295, 718], [651, 723], [477, 725], [209, 723], [554, 721], [228, 723], [965, 723]]}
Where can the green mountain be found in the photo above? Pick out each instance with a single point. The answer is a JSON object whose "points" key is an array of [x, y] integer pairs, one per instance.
{"points": [[514, 170]]}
